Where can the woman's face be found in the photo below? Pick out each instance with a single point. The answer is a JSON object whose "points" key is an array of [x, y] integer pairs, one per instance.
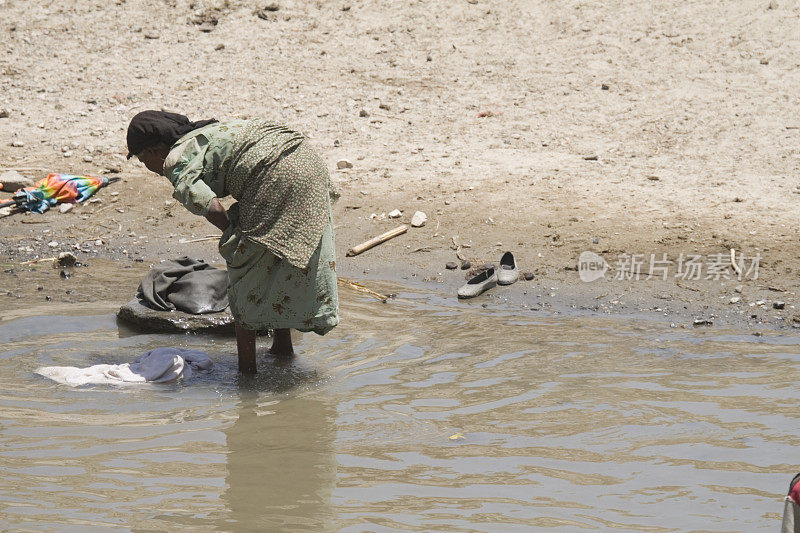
{"points": [[153, 158]]}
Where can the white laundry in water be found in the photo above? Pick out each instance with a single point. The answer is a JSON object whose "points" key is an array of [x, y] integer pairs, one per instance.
{"points": [[161, 365]]}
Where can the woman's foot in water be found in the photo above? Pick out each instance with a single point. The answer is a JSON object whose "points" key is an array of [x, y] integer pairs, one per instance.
{"points": [[282, 344]]}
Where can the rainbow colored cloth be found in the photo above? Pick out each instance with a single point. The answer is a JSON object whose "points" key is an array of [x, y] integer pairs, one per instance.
{"points": [[55, 188]]}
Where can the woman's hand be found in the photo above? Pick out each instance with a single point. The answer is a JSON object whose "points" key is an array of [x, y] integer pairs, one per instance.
{"points": [[217, 215]]}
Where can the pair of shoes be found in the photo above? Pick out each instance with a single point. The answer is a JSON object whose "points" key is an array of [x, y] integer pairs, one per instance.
{"points": [[508, 272], [506, 275]]}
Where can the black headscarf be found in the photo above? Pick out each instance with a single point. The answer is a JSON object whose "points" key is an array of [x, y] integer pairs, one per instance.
{"points": [[150, 128]]}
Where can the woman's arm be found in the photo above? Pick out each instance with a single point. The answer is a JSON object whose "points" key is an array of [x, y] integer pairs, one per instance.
{"points": [[217, 214]]}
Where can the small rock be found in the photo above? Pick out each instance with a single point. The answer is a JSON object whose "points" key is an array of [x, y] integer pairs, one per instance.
{"points": [[151, 35], [447, 202], [336, 142], [68, 153], [64, 274], [590, 158], [5, 211], [466, 265], [343, 163], [52, 244], [98, 242], [451, 265], [207, 27], [13, 181], [65, 208], [596, 240], [4, 113], [778, 305], [363, 113], [703, 322], [604, 87], [40, 288], [735, 300], [419, 219], [527, 275], [395, 213], [88, 159], [17, 144], [739, 289], [219, 47], [428, 58], [66, 260]]}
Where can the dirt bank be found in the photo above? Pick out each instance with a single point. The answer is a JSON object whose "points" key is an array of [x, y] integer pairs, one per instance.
{"points": [[544, 128]]}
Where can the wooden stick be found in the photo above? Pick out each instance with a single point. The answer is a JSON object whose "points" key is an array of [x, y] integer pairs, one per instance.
{"points": [[209, 238], [360, 288], [364, 246], [34, 261]]}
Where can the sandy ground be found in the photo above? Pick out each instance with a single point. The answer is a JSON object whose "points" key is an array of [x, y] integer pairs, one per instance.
{"points": [[545, 128]]}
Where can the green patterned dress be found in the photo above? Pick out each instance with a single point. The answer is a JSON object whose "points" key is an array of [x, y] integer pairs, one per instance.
{"points": [[279, 246]]}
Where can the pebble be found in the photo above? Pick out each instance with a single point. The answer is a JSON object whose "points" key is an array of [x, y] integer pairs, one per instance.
{"points": [[419, 219], [739, 289], [13, 181], [527, 275], [395, 213], [98, 242], [17, 144], [466, 265], [363, 113], [604, 87], [151, 35], [343, 163], [5, 211], [735, 299], [596, 240], [65, 208], [4, 113], [590, 158], [52, 244], [778, 305], [447, 202], [64, 274], [703, 322], [451, 265], [88, 159], [219, 47], [68, 153], [66, 260], [207, 27]]}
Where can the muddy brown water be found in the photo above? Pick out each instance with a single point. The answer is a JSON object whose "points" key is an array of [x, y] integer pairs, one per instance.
{"points": [[568, 423]]}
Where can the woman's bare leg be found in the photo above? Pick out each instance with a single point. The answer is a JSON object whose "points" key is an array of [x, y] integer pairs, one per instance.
{"points": [[282, 343], [246, 346]]}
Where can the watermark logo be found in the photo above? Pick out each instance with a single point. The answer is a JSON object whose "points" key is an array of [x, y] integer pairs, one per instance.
{"points": [[591, 266]]}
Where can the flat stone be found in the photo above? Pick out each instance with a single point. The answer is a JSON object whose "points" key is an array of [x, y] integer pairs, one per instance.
{"points": [[13, 181], [466, 265], [528, 276], [395, 213], [343, 163], [778, 305], [65, 208], [451, 265], [144, 318]]}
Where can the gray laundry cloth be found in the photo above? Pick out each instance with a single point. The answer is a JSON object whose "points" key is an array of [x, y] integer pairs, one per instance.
{"points": [[188, 285]]}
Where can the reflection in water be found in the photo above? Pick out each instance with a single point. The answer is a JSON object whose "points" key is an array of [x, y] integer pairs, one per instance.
{"points": [[280, 466], [568, 423]]}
